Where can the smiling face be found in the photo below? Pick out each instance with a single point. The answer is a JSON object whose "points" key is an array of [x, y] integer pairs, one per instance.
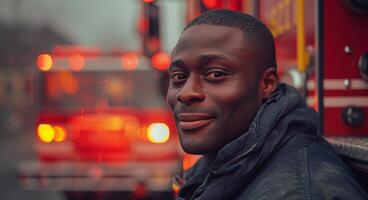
{"points": [[213, 91]]}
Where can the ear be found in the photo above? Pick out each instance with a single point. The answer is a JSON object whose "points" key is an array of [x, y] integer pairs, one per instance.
{"points": [[268, 82]]}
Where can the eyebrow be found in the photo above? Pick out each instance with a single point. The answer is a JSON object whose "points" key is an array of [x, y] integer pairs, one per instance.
{"points": [[176, 63], [202, 60], [212, 57]]}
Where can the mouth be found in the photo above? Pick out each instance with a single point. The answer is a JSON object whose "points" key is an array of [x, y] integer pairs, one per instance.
{"points": [[193, 121]]}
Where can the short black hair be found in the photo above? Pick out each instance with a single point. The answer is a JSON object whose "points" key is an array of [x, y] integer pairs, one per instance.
{"points": [[252, 28]]}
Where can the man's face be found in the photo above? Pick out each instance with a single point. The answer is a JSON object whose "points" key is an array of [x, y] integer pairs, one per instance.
{"points": [[213, 88]]}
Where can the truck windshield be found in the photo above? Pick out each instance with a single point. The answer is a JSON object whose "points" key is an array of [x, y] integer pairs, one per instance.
{"points": [[135, 89]]}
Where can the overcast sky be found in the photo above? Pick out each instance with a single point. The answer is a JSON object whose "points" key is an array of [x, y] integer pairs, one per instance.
{"points": [[107, 24]]}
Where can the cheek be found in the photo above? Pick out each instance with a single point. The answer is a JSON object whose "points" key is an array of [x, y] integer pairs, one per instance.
{"points": [[171, 97], [231, 95], [236, 102]]}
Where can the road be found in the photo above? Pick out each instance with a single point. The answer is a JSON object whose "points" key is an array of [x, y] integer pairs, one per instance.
{"points": [[17, 146]]}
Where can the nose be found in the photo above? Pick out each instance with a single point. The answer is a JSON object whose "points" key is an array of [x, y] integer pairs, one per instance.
{"points": [[191, 92]]}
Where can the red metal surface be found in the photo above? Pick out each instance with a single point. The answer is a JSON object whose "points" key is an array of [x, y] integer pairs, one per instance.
{"points": [[343, 28], [281, 13], [335, 126]]}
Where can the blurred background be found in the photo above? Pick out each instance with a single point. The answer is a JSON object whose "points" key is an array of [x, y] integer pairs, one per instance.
{"points": [[109, 44]]}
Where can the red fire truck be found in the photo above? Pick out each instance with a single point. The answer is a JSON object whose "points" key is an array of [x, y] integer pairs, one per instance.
{"points": [[321, 49], [102, 125]]}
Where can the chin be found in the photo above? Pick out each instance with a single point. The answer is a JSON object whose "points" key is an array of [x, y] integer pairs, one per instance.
{"points": [[192, 147], [198, 142], [193, 151], [197, 147]]}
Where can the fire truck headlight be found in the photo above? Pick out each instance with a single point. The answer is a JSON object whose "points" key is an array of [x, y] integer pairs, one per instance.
{"points": [[363, 65], [158, 133], [60, 134], [46, 133]]}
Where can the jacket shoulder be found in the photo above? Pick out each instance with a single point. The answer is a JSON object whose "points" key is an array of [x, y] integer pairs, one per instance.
{"points": [[311, 171], [330, 177]]}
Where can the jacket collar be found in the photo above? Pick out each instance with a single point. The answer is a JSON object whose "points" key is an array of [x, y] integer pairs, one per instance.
{"points": [[268, 132]]}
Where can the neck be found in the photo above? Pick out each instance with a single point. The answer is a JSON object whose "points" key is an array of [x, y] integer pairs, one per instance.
{"points": [[210, 158]]}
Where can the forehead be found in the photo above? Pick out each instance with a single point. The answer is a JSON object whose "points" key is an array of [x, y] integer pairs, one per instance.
{"points": [[211, 37]]}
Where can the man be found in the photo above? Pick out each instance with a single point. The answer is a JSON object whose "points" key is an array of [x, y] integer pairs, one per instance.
{"points": [[257, 137]]}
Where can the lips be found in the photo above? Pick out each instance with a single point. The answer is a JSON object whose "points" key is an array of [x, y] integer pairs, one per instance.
{"points": [[193, 121]]}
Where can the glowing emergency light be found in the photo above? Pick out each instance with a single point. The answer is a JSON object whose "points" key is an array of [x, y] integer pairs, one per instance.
{"points": [[60, 134], [211, 4], [158, 133], [48, 133], [44, 62], [76, 62], [129, 61], [160, 61]]}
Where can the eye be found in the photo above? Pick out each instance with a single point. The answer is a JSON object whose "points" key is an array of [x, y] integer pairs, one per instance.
{"points": [[178, 77], [215, 75]]}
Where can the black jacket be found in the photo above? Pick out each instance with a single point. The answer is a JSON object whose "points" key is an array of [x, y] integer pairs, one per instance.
{"points": [[281, 156]]}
